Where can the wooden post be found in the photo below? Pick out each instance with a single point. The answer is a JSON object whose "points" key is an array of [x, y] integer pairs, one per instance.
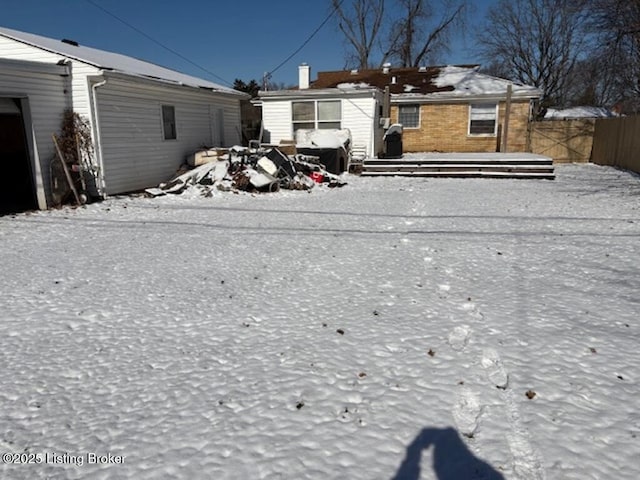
{"points": [[386, 103], [505, 125], [66, 171]]}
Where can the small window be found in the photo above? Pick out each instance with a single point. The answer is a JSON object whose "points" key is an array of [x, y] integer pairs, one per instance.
{"points": [[316, 115], [409, 116], [169, 122], [329, 114], [482, 119], [304, 115]]}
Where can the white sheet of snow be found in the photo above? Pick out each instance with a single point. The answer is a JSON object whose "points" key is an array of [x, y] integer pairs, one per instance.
{"points": [[353, 85], [579, 112], [113, 61], [322, 138], [469, 82], [353, 333]]}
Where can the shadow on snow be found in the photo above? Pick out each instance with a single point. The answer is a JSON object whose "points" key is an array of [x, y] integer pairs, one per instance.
{"points": [[452, 460]]}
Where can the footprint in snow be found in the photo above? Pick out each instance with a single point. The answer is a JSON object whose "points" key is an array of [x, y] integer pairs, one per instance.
{"points": [[466, 412], [459, 337], [492, 363]]}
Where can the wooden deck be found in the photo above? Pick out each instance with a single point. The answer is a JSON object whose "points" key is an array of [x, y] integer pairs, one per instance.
{"points": [[466, 165]]}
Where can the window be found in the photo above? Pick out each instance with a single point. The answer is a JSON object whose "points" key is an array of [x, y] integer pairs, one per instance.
{"points": [[317, 114], [482, 119], [409, 116], [169, 122], [329, 114], [304, 115]]}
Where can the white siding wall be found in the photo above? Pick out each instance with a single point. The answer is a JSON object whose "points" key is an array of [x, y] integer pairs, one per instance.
{"points": [[135, 154], [46, 104], [15, 50], [276, 120], [359, 115]]}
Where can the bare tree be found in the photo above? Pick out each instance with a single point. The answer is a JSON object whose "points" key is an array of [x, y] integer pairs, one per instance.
{"points": [[360, 22], [616, 24], [421, 34], [408, 32], [538, 42]]}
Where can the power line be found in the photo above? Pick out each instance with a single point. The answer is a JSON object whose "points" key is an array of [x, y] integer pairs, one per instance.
{"points": [[304, 44], [157, 42]]}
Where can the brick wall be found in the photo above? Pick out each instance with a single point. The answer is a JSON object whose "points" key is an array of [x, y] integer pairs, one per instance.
{"points": [[444, 127]]}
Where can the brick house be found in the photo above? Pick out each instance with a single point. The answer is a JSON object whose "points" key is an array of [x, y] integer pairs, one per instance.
{"points": [[442, 109]]}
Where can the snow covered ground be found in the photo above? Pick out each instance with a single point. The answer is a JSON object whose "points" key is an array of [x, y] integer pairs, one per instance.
{"points": [[391, 329]]}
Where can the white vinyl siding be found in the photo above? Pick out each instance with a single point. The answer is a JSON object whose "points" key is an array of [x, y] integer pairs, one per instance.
{"points": [[276, 121], [44, 101], [12, 49], [216, 119], [483, 119], [135, 154], [409, 116], [359, 115], [129, 110]]}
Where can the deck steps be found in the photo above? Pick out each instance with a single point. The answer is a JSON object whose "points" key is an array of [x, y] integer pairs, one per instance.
{"points": [[462, 165]]}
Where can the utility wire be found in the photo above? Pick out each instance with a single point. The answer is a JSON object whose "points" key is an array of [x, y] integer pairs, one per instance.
{"points": [[157, 42], [304, 44]]}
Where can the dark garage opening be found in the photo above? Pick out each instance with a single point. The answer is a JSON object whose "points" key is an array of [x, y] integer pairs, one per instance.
{"points": [[17, 192]]}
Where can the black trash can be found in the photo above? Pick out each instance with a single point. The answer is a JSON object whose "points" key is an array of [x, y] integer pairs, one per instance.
{"points": [[393, 142]]}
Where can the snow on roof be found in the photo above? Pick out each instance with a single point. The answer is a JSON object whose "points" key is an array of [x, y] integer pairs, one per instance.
{"points": [[469, 82], [113, 61], [579, 112], [352, 86], [436, 82]]}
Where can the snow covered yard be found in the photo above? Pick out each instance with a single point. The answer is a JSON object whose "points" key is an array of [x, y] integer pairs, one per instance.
{"points": [[394, 328]]}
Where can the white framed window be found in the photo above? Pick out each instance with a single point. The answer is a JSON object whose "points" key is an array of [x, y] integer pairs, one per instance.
{"points": [[169, 130], [483, 119], [409, 116], [317, 114]]}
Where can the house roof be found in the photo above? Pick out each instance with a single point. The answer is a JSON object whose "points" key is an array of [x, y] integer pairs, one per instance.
{"points": [[427, 82], [579, 113], [113, 61]]}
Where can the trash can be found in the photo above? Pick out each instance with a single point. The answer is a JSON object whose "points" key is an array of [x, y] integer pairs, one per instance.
{"points": [[393, 141]]}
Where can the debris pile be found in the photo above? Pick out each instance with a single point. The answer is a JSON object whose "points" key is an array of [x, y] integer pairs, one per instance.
{"points": [[249, 170]]}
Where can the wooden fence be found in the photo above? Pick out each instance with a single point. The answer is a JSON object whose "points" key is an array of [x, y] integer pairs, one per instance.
{"points": [[617, 143], [563, 140]]}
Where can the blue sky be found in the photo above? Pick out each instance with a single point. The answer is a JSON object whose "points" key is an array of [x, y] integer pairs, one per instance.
{"points": [[235, 39]]}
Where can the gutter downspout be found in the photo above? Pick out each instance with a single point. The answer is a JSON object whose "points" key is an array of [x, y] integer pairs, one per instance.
{"points": [[100, 184]]}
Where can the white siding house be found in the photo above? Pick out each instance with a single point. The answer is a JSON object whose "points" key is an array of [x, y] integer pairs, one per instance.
{"points": [[145, 119], [359, 108], [32, 100]]}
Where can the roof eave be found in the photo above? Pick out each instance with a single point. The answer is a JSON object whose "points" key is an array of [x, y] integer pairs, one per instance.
{"points": [[453, 97], [107, 73], [104, 68], [316, 92]]}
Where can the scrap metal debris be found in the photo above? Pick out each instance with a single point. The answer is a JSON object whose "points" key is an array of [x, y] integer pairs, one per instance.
{"points": [[249, 170]]}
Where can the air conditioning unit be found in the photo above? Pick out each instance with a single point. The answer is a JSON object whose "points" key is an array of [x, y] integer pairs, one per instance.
{"points": [[385, 122]]}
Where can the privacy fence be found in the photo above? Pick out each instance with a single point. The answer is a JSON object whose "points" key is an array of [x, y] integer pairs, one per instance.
{"points": [[563, 140], [617, 143]]}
